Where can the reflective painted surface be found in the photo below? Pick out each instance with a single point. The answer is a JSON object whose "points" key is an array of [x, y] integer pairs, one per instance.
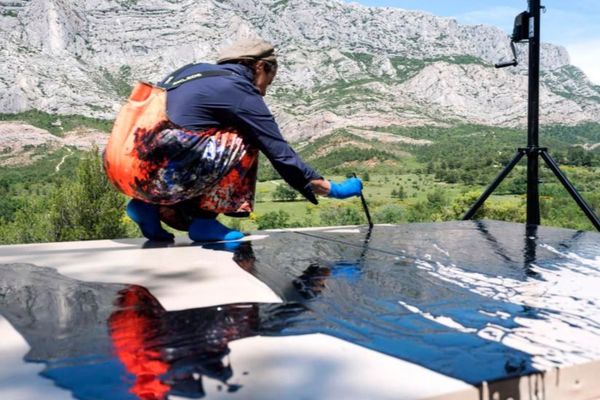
{"points": [[472, 301], [475, 301]]}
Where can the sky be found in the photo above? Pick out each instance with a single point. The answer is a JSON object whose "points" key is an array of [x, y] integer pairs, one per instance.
{"points": [[574, 24]]}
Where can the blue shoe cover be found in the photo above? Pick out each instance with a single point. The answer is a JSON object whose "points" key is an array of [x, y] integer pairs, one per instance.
{"points": [[211, 230], [147, 217], [231, 246]]}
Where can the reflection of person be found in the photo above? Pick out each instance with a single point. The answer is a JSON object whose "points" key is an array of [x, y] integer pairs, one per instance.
{"points": [[202, 160], [111, 341], [64, 323], [168, 352]]}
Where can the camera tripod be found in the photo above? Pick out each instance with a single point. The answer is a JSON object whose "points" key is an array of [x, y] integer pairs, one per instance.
{"points": [[527, 28]]}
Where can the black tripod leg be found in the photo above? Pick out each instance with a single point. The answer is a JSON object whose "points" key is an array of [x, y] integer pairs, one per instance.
{"points": [[494, 184], [571, 189]]}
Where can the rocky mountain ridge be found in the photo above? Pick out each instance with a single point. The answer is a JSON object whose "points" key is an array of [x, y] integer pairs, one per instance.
{"points": [[342, 65]]}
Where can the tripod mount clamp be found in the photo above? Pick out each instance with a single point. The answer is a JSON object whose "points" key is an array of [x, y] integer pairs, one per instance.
{"points": [[532, 150]]}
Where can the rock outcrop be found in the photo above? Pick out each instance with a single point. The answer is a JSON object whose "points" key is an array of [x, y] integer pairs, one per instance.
{"points": [[341, 64]]}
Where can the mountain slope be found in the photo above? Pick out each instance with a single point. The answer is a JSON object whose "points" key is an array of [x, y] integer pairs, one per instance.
{"points": [[342, 65]]}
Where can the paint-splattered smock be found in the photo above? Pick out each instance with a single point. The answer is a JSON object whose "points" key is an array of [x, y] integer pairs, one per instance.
{"points": [[194, 147], [235, 101]]}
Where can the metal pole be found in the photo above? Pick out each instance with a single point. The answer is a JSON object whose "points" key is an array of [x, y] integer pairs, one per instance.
{"points": [[533, 196], [530, 250], [533, 149]]}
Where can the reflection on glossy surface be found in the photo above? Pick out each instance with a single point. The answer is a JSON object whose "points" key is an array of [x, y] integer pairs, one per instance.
{"points": [[110, 341], [475, 301], [514, 299]]}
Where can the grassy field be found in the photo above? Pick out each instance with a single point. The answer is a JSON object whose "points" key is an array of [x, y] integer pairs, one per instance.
{"points": [[403, 182], [377, 191]]}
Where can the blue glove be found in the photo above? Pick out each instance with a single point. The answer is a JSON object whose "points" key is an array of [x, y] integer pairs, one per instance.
{"points": [[350, 187]]}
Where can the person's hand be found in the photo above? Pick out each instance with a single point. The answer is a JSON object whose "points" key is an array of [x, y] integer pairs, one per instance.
{"points": [[320, 187], [350, 187]]}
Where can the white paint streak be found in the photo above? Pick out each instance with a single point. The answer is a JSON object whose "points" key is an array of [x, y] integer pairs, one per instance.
{"points": [[446, 321], [565, 329]]}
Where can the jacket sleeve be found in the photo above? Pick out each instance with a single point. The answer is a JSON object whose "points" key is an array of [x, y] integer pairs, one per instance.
{"points": [[254, 118]]}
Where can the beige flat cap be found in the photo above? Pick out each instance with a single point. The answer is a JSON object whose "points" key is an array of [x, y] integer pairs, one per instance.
{"points": [[247, 49]]}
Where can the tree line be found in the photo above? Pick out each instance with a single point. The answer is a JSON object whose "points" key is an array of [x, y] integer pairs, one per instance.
{"points": [[78, 203]]}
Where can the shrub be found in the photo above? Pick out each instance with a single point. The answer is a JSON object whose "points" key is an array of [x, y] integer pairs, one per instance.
{"points": [[339, 214], [389, 214], [86, 207], [284, 193], [273, 220]]}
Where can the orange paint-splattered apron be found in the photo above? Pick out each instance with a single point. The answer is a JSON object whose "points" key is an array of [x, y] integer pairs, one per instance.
{"points": [[151, 159]]}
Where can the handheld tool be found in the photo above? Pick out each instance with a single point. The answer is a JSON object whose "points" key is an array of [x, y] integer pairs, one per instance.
{"points": [[365, 207]]}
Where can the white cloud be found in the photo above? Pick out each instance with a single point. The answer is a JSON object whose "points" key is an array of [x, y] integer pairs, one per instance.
{"points": [[586, 55]]}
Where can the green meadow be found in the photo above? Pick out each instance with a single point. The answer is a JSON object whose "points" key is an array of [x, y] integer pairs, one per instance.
{"points": [[415, 175]]}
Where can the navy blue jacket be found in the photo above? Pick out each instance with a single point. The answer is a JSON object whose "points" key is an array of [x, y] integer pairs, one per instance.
{"points": [[233, 100]]}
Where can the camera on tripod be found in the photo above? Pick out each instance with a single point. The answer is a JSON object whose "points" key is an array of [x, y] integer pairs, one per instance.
{"points": [[527, 28], [521, 32]]}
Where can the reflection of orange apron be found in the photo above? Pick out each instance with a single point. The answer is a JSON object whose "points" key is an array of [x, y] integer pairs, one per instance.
{"points": [[151, 159], [144, 337], [129, 328]]}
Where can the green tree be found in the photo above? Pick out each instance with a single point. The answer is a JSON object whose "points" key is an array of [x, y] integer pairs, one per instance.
{"points": [[309, 214], [461, 204], [418, 212], [340, 214], [437, 199], [86, 207], [30, 224], [430, 168], [399, 193], [8, 207], [284, 193], [273, 220], [89, 207], [559, 209], [389, 214]]}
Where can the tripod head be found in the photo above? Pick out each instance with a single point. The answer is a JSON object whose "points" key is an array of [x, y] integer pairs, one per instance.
{"points": [[520, 34]]}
